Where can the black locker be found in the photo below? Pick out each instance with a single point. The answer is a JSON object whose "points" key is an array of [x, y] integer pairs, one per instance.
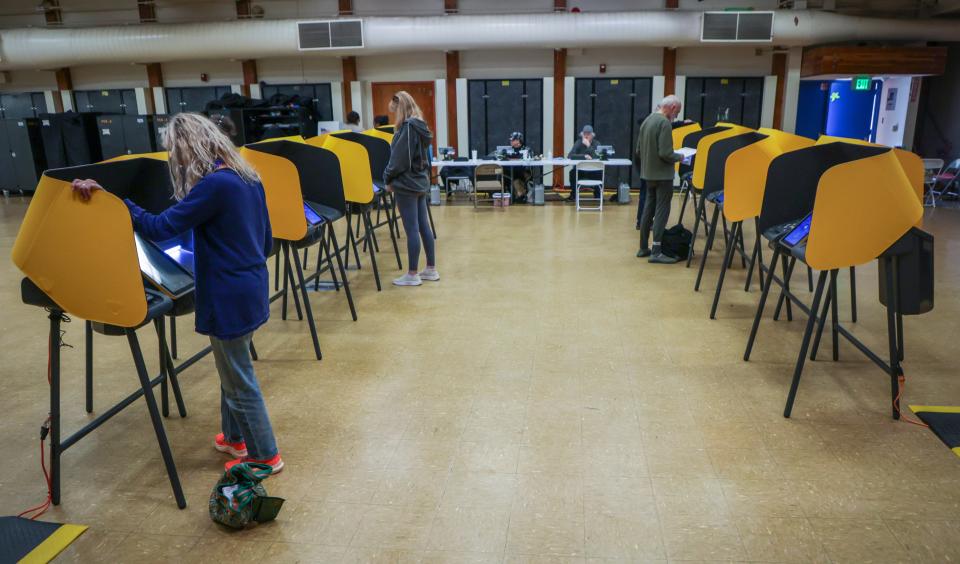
{"points": [[160, 122], [126, 135], [19, 105], [193, 98], [735, 100], [139, 135], [70, 139], [8, 179], [320, 94], [614, 107], [497, 108], [115, 101], [26, 150]]}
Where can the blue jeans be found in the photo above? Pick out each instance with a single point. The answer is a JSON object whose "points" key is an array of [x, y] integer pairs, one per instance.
{"points": [[416, 224], [243, 413]]}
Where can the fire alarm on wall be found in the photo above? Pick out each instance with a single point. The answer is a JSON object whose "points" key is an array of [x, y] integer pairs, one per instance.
{"points": [[204, 77], [603, 68]]}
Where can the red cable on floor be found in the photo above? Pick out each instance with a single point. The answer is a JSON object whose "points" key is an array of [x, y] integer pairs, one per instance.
{"points": [[901, 384], [44, 431]]}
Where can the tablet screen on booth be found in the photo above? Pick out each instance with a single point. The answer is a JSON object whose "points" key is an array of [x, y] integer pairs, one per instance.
{"points": [[799, 232], [161, 270], [313, 217]]}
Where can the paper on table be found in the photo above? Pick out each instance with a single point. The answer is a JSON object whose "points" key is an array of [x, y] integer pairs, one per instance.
{"points": [[687, 153]]}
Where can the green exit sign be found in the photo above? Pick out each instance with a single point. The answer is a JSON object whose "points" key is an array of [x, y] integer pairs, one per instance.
{"points": [[862, 82]]}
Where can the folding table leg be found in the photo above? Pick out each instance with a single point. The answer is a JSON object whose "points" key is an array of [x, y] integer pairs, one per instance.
{"points": [[171, 372], [731, 249], [287, 251], [853, 293], [306, 306], [821, 323], [707, 246], [373, 256], [787, 268], [763, 301], [893, 339], [696, 225], [53, 352], [155, 418], [798, 370], [343, 273], [88, 365]]}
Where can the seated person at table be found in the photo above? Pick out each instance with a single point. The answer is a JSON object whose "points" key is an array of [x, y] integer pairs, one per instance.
{"points": [[353, 122], [584, 149], [516, 175]]}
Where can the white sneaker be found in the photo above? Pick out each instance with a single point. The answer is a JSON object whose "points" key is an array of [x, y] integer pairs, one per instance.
{"points": [[430, 274], [408, 280]]}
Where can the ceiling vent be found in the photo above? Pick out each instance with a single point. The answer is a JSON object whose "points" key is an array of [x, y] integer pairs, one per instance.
{"points": [[747, 27], [333, 34]]}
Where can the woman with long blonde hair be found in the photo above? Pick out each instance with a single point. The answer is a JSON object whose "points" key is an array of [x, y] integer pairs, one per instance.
{"points": [[407, 175], [221, 201]]}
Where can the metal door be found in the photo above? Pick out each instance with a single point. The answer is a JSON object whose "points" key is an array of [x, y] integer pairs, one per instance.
{"points": [[19, 105], [8, 180], [26, 151], [114, 101], [614, 107], [497, 108], [735, 100]]}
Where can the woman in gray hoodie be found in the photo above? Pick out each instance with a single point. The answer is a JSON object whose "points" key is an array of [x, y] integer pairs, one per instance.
{"points": [[408, 176]]}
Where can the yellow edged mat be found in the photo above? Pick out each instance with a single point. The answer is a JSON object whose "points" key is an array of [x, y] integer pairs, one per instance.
{"points": [[944, 421], [26, 541]]}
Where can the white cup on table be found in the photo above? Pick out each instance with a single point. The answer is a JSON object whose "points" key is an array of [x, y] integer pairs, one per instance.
{"points": [[473, 155]]}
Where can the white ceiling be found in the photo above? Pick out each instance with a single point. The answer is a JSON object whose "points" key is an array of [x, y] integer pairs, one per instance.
{"points": [[21, 13]]}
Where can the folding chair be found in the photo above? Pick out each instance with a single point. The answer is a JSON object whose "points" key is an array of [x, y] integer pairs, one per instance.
{"points": [[487, 178], [949, 177], [585, 176], [932, 170]]}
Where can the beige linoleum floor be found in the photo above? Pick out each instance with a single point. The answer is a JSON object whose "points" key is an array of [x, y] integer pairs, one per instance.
{"points": [[553, 398]]}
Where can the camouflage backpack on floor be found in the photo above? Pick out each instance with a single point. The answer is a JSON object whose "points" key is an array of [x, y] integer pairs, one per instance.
{"points": [[239, 498]]}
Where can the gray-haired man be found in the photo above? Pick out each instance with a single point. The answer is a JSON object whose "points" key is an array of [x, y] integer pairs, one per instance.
{"points": [[657, 159]]}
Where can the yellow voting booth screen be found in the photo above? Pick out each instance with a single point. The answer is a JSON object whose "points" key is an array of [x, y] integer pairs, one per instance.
{"points": [[862, 207], [745, 173], [703, 151], [680, 132], [82, 254], [386, 136], [281, 185], [354, 168]]}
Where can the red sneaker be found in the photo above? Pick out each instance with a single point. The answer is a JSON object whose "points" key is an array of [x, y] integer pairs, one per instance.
{"points": [[275, 463], [236, 450]]}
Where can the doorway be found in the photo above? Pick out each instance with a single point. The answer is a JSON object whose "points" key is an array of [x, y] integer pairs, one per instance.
{"points": [[422, 93], [614, 107], [497, 108], [734, 100]]}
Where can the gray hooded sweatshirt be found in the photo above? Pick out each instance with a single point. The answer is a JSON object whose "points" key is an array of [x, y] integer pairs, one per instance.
{"points": [[409, 166]]}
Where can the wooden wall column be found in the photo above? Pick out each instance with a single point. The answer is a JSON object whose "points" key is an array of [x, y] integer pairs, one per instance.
{"points": [[349, 75], [64, 83], [669, 71], [249, 76], [154, 80], [779, 69], [453, 73], [559, 76]]}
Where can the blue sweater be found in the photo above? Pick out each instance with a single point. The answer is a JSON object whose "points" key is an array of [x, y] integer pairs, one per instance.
{"points": [[232, 238]]}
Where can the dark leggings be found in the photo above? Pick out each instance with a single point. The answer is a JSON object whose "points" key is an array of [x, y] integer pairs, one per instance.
{"points": [[416, 224]]}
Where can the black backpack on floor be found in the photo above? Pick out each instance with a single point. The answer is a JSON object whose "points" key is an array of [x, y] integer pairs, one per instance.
{"points": [[676, 241]]}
